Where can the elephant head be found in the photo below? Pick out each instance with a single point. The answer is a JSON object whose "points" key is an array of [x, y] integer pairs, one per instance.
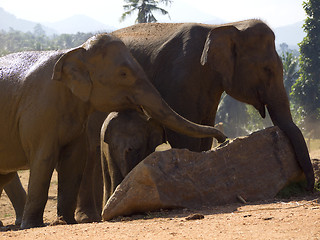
{"points": [[244, 56], [127, 151], [103, 73], [127, 137]]}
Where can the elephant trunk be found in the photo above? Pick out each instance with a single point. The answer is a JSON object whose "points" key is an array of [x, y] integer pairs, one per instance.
{"points": [[154, 105], [280, 114]]}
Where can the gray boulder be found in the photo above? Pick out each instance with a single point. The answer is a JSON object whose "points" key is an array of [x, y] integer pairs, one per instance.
{"points": [[250, 168]]}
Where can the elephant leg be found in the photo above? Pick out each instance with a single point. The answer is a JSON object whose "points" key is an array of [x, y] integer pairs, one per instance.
{"points": [[89, 204], [206, 144], [177, 140], [17, 196], [70, 169], [4, 179], [115, 175], [98, 184], [105, 175], [41, 170], [111, 173]]}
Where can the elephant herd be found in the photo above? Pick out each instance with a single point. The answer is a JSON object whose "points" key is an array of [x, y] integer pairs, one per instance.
{"points": [[144, 85]]}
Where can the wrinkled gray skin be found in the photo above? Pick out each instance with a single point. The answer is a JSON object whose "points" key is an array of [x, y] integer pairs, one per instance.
{"points": [[127, 137], [45, 101], [191, 65]]}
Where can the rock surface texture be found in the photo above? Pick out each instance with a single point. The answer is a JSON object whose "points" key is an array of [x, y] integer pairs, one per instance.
{"points": [[249, 168]]}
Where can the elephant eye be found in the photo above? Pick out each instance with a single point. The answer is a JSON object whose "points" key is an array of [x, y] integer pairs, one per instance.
{"points": [[123, 74], [128, 150]]}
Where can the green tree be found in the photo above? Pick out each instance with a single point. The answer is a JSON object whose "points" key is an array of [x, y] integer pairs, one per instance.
{"points": [[306, 91], [290, 70], [15, 41], [145, 9], [284, 48], [41, 38], [233, 115], [38, 30]]}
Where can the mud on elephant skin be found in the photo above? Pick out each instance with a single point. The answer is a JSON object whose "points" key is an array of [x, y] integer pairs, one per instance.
{"points": [[127, 137], [52, 93], [192, 64]]}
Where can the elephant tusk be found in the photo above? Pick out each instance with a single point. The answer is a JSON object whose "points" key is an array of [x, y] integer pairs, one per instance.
{"points": [[145, 112]]}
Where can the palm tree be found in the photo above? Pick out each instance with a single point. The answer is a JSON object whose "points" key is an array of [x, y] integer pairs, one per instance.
{"points": [[145, 9]]}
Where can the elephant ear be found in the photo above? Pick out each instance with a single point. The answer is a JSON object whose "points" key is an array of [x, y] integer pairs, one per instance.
{"points": [[72, 71], [219, 51]]}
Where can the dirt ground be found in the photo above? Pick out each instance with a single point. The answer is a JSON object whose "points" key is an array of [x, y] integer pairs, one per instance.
{"points": [[296, 218]]}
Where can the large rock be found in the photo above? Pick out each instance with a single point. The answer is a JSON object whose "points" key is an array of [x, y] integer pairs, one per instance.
{"points": [[255, 167]]}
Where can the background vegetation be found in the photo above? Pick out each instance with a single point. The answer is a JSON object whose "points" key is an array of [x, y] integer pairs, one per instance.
{"points": [[15, 41]]}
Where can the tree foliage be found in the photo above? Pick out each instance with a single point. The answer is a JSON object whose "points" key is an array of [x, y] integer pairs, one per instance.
{"points": [[306, 91], [145, 9], [239, 119], [233, 115], [15, 41], [290, 70]]}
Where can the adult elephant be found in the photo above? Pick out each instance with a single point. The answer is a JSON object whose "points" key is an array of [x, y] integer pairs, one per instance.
{"points": [[127, 137], [191, 65], [46, 98]]}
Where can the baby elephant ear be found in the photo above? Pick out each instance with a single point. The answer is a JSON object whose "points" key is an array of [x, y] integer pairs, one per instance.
{"points": [[219, 50], [71, 70]]}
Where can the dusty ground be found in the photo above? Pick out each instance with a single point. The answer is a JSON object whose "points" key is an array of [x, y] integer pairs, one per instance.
{"points": [[296, 218]]}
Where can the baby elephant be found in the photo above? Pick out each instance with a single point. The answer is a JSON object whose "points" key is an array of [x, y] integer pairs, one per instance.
{"points": [[127, 137]]}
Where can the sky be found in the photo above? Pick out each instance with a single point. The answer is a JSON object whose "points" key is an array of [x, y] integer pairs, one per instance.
{"points": [[275, 12]]}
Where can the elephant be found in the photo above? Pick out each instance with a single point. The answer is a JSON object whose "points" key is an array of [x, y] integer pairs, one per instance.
{"points": [[127, 137], [46, 98], [192, 64]]}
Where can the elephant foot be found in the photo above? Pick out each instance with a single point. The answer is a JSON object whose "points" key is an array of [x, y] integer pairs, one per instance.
{"points": [[87, 217], [18, 221], [58, 221], [310, 188], [310, 183], [31, 224]]}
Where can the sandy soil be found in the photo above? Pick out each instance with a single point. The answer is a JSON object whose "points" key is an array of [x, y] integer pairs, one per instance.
{"points": [[296, 218]]}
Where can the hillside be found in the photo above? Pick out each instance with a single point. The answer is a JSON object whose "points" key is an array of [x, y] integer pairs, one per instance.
{"points": [[8, 20], [74, 24], [79, 23], [290, 34]]}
